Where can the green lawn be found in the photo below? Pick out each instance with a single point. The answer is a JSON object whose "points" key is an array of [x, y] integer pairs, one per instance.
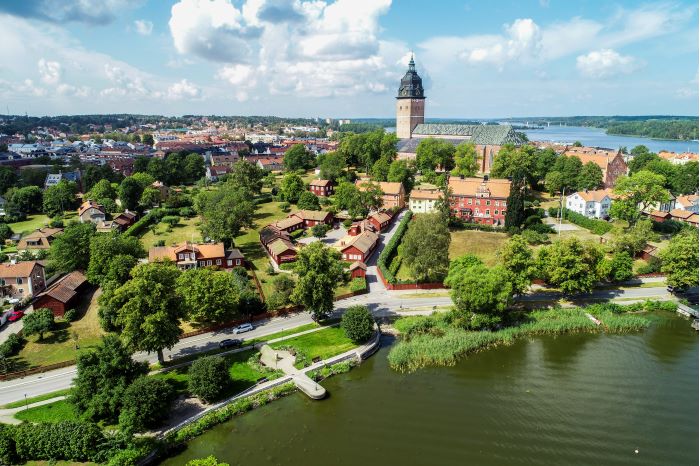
{"points": [[243, 375], [186, 230], [32, 223], [322, 344], [482, 244], [58, 345], [52, 412], [35, 399]]}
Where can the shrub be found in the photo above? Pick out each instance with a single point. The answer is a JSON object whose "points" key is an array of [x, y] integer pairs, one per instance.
{"points": [[64, 440], [669, 227], [285, 206], [652, 266], [171, 220], [70, 315], [542, 228], [358, 284], [159, 243], [12, 345], [145, 404], [38, 322], [56, 222], [599, 227], [8, 450], [208, 378], [358, 324], [347, 223], [534, 237], [187, 212]]}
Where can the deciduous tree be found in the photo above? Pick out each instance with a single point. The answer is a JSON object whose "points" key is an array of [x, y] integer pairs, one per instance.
{"points": [[679, 260], [357, 323], [466, 160], [426, 247], [208, 378], [298, 157], [209, 295], [570, 265], [38, 322], [308, 201], [637, 193], [518, 262], [320, 272], [225, 212], [291, 187], [71, 250], [432, 153]]}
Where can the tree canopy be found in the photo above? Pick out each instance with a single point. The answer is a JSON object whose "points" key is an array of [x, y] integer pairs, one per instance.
{"points": [[425, 248], [636, 193], [38, 322], [298, 157], [225, 212], [569, 264], [209, 296], [60, 198], [679, 260], [320, 272], [71, 250], [432, 153], [291, 187]]}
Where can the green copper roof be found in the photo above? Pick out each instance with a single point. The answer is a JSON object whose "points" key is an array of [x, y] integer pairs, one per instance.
{"points": [[478, 134]]}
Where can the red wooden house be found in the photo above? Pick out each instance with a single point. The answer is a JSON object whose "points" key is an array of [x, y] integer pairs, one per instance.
{"points": [[63, 294], [321, 187], [379, 220]]}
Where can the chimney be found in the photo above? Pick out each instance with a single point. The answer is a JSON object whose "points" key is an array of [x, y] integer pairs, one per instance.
{"points": [[486, 178]]}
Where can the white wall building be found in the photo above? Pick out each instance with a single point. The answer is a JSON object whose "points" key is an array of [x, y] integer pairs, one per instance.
{"points": [[422, 201], [592, 204]]}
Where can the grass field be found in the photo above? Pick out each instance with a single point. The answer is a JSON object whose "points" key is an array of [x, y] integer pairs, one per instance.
{"points": [[32, 223], [249, 243], [58, 346], [52, 412], [322, 344], [186, 230], [482, 244]]}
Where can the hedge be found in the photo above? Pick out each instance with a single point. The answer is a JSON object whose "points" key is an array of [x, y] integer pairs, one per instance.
{"points": [[390, 249], [65, 440], [154, 216], [599, 227]]}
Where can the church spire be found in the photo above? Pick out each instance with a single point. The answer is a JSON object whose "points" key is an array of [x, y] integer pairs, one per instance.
{"points": [[411, 84]]}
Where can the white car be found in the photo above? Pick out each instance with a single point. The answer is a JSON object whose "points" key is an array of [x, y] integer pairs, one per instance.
{"points": [[243, 328]]}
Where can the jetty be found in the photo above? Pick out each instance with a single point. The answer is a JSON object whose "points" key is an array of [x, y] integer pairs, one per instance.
{"points": [[284, 360]]}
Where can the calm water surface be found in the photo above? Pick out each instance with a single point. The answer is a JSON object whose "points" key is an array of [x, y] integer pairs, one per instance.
{"points": [[570, 400]]}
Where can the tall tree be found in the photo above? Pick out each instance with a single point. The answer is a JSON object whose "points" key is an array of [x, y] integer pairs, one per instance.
{"points": [[194, 168], [432, 153], [291, 187], [148, 311], [209, 296], [518, 262], [130, 191], [679, 260], [71, 250], [332, 165], [298, 157], [569, 264], [380, 169], [590, 177], [401, 171], [103, 376], [308, 201], [247, 175], [145, 404], [8, 179], [320, 272], [636, 193], [104, 248], [60, 198], [225, 212], [466, 160], [103, 189], [426, 248], [38, 322], [515, 209]]}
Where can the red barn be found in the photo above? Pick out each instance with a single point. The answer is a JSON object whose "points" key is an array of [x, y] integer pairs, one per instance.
{"points": [[358, 270], [63, 294]]}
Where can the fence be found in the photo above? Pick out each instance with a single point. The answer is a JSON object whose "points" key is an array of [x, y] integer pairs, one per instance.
{"points": [[409, 286], [35, 370]]}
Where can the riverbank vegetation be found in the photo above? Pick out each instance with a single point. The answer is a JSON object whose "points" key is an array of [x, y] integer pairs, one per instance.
{"points": [[441, 340]]}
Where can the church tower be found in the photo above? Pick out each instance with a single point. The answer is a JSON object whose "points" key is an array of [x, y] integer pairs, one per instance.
{"points": [[410, 103]]}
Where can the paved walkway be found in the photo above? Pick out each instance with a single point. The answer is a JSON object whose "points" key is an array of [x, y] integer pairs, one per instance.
{"points": [[7, 416], [284, 361]]}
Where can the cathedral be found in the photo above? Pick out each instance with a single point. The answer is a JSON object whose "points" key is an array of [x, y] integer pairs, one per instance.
{"points": [[411, 126]]}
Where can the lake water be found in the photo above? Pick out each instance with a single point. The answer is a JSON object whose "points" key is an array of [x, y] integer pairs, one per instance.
{"points": [[596, 137], [567, 400]]}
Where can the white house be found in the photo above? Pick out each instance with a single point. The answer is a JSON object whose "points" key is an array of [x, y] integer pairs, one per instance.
{"points": [[689, 203], [422, 201], [592, 204]]}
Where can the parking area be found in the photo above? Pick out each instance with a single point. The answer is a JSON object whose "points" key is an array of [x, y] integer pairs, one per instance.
{"points": [[331, 237]]}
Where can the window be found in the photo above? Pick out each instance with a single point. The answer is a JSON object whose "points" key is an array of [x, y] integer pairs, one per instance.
{"points": [[495, 212], [238, 262], [209, 262], [19, 280], [230, 262], [488, 211], [470, 202], [478, 202], [503, 204], [21, 290], [2, 281], [498, 203], [201, 263], [488, 202], [218, 261]]}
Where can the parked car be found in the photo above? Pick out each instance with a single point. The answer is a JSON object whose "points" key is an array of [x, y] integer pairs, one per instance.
{"points": [[230, 343], [15, 316], [243, 328]]}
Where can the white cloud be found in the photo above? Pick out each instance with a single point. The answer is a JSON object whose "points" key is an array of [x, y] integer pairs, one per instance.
{"points": [[60, 11], [49, 71], [212, 29], [143, 27], [183, 90], [605, 63]]}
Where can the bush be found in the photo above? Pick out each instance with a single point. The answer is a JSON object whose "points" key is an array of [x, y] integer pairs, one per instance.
{"points": [[358, 324], [70, 315], [208, 378], [145, 404], [599, 227], [187, 212], [285, 206], [11, 346], [652, 266], [541, 228], [347, 223], [171, 220], [8, 450], [5, 232], [358, 284], [534, 237], [64, 440], [668, 227]]}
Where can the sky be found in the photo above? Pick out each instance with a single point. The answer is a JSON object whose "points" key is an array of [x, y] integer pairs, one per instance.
{"points": [[344, 58]]}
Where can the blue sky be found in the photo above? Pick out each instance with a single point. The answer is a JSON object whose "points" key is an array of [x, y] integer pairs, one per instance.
{"points": [[344, 58]]}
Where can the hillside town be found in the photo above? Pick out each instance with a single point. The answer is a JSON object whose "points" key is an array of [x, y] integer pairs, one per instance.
{"points": [[163, 275]]}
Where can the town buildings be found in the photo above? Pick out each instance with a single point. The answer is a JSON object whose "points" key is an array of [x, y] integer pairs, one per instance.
{"points": [[39, 239], [592, 204], [91, 212], [321, 187], [358, 247], [423, 201], [189, 255], [611, 162], [312, 217], [479, 200], [393, 194], [22, 279], [63, 294], [278, 244]]}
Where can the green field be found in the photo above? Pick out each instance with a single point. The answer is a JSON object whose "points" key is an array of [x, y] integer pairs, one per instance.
{"points": [[36, 399], [322, 344], [52, 412], [30, 224], [58, 345], [186, 230], [483, 244]]}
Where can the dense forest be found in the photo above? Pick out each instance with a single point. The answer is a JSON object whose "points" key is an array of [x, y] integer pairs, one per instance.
{"points": [[661, 129]]}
